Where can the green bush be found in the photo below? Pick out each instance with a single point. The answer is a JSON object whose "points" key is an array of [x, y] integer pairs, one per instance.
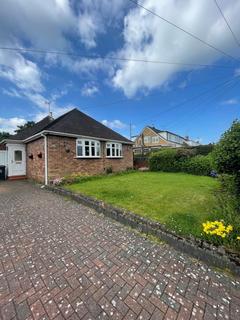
{"points": [[199, 165], [227, 151], [164, 160], [227, 159], [204, 149], [185, 160]]}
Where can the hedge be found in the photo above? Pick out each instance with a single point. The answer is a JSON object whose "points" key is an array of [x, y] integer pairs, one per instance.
{"points": [[199, 165], [181, 160]]}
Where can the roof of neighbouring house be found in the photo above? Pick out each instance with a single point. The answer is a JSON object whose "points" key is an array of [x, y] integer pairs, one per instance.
{"points": [[73, 122], [160, 131]]}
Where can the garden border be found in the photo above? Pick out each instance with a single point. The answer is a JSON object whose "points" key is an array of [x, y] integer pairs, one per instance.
{"points": [[199, 249]]}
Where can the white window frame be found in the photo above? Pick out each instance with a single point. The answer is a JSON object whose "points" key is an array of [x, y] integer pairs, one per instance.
{"points": [[155, 139], [147, 139], [91, 143], [115, 149]]}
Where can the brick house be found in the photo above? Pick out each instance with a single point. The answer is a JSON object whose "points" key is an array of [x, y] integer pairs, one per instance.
{"points": [[152, 138], [74, 143]]}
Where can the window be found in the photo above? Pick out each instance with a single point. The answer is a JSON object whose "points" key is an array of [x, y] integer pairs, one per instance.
{"points": [[18, 155], [88, 148], [147, 139], [114, 150], [155, 139], [175, 138]]}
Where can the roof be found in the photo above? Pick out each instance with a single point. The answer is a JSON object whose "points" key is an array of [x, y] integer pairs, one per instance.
{"points": [[73, 122], [28, 132], [160, 131]]}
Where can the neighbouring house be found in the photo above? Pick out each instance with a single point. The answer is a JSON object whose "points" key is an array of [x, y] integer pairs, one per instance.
{"points": [[151, 139], [73, 144]]}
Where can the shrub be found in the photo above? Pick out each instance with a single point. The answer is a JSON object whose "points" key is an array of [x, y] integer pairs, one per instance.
{"points": [[199, 165], [164, 160], [227, 159], [109, 170], [204, 149], [227, 153], [175, 160]]}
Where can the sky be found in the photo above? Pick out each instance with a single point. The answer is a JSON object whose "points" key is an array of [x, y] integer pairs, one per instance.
{"points": [[100, 76]]}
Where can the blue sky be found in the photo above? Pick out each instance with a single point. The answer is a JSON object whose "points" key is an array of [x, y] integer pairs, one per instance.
{"points": [[200, 102]]}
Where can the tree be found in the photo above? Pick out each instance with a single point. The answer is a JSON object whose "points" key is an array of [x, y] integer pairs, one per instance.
{"points": [[4, 135], [28, 124], [227, 153]]}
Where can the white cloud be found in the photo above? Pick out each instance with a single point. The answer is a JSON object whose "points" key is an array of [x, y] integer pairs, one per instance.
{"points": [[148, 37], [95, 16], [43, 23], [10, 124], [11, 92], [89, 89], [56, 111], [115, 124], [231, 101], [22, 72], [42, 102], [88, 30]]}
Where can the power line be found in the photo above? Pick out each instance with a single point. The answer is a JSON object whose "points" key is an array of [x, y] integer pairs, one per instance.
{"points": [[127, 100], [65, 53], [227, 23], [195, 110], [185, 31], [189, 100]]}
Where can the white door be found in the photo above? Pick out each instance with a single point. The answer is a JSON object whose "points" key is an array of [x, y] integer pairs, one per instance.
{"points": [[16, 160]]}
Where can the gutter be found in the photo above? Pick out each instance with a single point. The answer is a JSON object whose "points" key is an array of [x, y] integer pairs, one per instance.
{"points": [[45, 160]]}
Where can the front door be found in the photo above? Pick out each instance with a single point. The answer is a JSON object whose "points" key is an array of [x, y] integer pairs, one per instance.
{"points": [[16, 160]]}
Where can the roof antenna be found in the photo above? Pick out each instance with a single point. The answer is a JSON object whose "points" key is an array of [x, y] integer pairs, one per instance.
{"points": [[48, 102]]}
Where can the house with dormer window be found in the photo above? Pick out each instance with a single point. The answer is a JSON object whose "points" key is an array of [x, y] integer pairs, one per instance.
{"points": [[152, 138]]}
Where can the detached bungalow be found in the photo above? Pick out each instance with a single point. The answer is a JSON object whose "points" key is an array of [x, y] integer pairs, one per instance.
{"points": [[71, 144]]}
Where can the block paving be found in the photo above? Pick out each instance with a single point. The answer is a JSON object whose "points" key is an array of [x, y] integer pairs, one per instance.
{"points": [[61, 260]]}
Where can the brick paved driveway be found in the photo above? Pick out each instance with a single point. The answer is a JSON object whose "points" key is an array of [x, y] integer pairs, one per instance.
{"points": [[61, 260]]}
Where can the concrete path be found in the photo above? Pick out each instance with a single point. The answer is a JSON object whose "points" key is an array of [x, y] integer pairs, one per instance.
{"points": [[61, 260]]}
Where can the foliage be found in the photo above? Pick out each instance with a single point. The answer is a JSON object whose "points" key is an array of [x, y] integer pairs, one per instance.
{"points": [[217, 228], [4, 135], [26, 125], [75, 178], [204, 149], [109, 170], [164, 160], [227, 159], [181, 160], [227, 153], [199, 165]]}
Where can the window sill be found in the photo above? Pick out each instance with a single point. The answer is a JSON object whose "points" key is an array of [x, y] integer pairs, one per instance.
{"points": [[114, 157], [87, 157]]}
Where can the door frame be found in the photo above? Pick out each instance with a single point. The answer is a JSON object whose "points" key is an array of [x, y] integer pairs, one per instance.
{"points": [[11, 148]]}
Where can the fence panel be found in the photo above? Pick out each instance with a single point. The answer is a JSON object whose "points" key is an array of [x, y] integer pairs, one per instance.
{"points": [[3, 158]]}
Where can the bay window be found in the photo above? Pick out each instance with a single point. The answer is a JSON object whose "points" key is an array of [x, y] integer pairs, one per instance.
{"points": [[113, 150], [86, 148]]}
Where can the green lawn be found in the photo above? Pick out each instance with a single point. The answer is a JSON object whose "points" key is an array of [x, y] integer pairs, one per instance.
{"points": [[180, 201]]}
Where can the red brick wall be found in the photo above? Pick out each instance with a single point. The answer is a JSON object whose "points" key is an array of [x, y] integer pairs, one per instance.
{"points": [[35, 166], [62, 163]]}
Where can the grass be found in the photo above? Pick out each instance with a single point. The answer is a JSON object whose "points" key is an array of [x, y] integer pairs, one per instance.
{"points": [[180, 201]]}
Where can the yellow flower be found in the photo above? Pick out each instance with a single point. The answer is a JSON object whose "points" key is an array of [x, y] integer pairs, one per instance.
{"points": [[238, 238], [216, 228]]}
